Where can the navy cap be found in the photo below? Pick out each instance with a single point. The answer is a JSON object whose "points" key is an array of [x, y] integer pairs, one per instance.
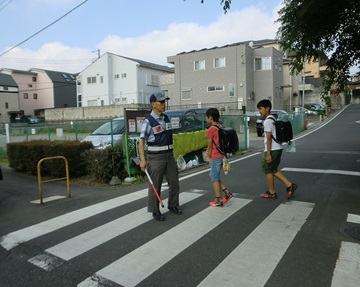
{"points": [[158, 97]]}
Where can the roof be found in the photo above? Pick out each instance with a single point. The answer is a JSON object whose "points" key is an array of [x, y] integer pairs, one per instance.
{"points": [[151, 65], [146, 64], [56, 76], [255, 43], [7, 80]]}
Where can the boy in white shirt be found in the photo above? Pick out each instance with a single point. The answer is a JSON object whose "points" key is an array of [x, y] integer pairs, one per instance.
{"points": [[272, 155]]}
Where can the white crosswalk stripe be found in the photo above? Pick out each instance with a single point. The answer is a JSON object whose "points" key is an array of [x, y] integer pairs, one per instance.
{"points": [[347, 269], [139, 264], [13, 239], [254, 260], [95, 237]]}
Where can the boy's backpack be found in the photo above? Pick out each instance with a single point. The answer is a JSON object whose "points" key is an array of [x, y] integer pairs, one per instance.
{"points": [[283, 129], [228, 140]]}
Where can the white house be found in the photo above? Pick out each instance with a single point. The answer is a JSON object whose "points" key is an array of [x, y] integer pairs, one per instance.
{"points": [[114, 79]]}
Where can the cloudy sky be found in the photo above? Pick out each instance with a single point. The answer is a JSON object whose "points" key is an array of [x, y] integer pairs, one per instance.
{"points": [[150, 30]]}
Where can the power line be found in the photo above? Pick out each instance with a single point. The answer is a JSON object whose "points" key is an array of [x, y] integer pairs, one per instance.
{"points": [[3, 7], [43, 28]]}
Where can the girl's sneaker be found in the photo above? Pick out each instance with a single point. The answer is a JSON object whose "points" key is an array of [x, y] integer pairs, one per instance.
{"points": [[216, 203], [269, 195]]}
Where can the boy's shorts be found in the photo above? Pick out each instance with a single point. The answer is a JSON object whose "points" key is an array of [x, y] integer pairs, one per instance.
{"points": [[216, 166], [273, 166]]}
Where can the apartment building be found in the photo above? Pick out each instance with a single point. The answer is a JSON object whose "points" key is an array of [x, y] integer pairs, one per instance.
{"points": [[230, 77], [115, 80]]}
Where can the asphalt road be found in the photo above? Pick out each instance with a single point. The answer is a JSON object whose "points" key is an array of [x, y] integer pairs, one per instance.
{"points": [[105, 237]]}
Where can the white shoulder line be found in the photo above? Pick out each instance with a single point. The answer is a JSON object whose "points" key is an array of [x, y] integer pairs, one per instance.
{"points": [[331, 171]]}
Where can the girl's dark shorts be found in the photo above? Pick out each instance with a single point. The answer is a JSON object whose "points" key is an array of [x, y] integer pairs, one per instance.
{"points": [[273, 166]]}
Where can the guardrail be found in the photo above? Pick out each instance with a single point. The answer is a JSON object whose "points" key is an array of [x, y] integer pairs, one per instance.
{"points": [[54, 179]]}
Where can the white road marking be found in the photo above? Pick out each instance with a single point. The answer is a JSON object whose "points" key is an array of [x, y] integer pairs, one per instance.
{"points": [[347, 269], [329, 171], [143, 261], [95, 237], [47, 199], [255, 259], [13, 239], [353, 218], [208, 169]]}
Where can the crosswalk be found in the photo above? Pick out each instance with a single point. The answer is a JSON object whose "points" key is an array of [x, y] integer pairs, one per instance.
{"points": [[252, 261]]}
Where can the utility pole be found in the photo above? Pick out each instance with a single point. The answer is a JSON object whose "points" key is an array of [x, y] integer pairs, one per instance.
{"points": [[98, 52]]}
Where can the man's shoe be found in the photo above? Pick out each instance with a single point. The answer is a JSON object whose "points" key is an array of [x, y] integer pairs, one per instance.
{"points": [[269, 195], [175, 210], [291, 190], [158, 216], [226, 198]]}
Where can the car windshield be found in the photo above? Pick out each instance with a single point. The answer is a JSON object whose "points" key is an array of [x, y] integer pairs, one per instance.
{"points": [[105, 129]]}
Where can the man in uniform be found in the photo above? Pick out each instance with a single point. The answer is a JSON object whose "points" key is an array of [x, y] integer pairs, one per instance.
{"points": [[156, 131]]}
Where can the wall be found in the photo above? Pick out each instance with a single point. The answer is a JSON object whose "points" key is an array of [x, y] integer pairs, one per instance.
{"points": [[88, 113]]}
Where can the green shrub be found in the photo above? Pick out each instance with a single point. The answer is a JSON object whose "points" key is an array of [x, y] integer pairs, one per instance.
{"points": [[25, 157], [103, 164]]}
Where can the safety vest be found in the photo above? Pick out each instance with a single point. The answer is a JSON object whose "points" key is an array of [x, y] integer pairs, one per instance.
{"points": [[163, 137]]}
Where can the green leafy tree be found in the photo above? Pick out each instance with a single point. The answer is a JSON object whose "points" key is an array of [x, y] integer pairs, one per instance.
{"points": [[322, 29]]}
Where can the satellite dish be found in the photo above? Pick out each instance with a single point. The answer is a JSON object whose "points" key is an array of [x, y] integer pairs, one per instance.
{"points": [[251, 44]]}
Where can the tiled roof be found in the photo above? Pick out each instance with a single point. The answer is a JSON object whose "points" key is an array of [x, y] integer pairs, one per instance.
{"points": [[7, 80]]}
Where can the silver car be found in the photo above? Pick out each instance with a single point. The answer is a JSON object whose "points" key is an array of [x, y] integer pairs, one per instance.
{"points": [[110, 133]]}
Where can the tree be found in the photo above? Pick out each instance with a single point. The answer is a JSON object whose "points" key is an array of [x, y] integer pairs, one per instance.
{"points": [[321, 29], [318, 30]]}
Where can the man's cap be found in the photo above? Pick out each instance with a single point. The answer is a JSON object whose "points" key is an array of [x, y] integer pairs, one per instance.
{"points": [[158, 97]]}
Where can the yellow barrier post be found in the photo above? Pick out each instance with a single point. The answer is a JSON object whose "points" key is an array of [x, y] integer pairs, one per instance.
{"points": [[55, 179]]}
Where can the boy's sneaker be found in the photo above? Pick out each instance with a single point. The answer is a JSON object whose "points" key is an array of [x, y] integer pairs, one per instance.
{"points": [[226, 197], [216, 203], [269, 195], [291, 190]]}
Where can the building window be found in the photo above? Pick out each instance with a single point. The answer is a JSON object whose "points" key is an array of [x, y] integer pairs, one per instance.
{"points": [[186, 95], [152, 80], [231, 90], [117, 76], [219, 62], [215, 88], [199, 65], [6, 105], [26, 95], [262, 63], [35, 96], [34, 79], [6, 88], [29, 85], [101, 79], [123, 75], [91, 80]]}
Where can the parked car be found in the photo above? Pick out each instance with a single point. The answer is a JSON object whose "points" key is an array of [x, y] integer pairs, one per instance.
{"points": [[315, 108], [187, 120], [101, 137], [32, 120], [183, 120], [276, 113]]}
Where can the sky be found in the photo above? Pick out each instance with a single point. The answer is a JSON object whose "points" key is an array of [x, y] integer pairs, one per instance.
{"points": [[149, 30]]}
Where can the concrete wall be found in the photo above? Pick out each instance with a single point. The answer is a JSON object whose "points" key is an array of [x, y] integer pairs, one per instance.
{"points": [[88, 113]]}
